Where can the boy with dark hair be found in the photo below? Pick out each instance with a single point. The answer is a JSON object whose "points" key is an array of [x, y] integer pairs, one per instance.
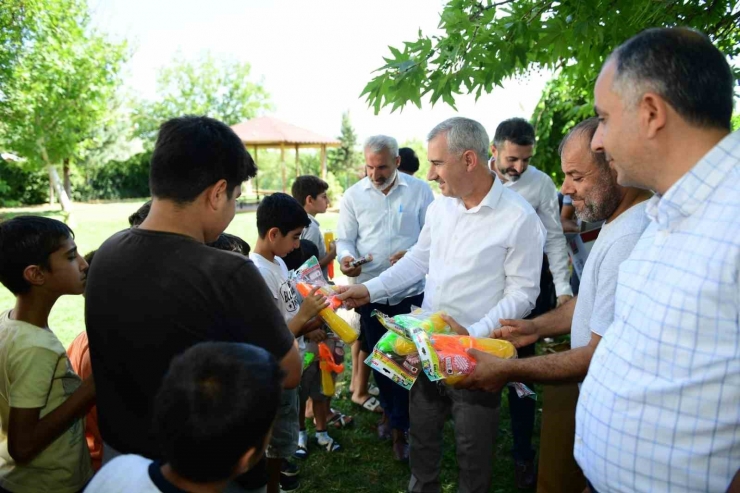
{"points": [[280, 222], [42, 401], [231, 243], [135, 219], [184, 292], [409, 161], [212, 418], [310, 192]]}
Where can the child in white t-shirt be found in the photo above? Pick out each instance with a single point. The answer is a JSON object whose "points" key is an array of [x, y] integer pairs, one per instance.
{"points": [[280, 222]]}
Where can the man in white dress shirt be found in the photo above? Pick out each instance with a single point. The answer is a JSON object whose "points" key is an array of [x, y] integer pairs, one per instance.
{"points": [[481, 253], [512, 149], [383, 215], [660, 407]]}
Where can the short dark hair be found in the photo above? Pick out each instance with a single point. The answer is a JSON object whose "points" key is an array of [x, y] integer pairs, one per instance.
{"points": [[516, 130], [217, 401], [684, 68], [89, 256], [409, 160], [135, 219], [231, 243], [308, 186], [587, 129], [194, 152], [297, 257], [281, 211], [28, 240]]}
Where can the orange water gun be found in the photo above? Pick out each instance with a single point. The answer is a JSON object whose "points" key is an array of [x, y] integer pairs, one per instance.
{"points": [[327, 366], [335, 323], [455, 362], [328, 239]]}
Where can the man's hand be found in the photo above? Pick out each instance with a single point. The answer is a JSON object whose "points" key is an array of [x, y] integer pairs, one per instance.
{"points": [[354, 295], [456, 327], [519, 332], [397, 256], [347, 269], [564, 298], [490, 374]]}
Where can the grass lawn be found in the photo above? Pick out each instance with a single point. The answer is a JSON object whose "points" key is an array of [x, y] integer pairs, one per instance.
{"points": [[365, 464]]}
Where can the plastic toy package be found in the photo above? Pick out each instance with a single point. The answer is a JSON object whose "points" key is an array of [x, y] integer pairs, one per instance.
{"points": [[307, 277], [423, 340]]}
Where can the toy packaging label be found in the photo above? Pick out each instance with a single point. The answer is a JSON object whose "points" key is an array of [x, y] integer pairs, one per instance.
{"points": [[427, 355], [403, 374]]}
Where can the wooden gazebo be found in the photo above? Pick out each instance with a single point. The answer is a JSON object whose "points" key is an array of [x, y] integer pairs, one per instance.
{"points": [[268, 132]]}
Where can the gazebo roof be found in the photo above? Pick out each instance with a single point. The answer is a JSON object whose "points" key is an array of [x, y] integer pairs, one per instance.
{"points": [[266, 131]]}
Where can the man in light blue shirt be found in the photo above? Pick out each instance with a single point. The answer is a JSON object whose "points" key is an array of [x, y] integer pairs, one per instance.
{"points": [[383, 215]]}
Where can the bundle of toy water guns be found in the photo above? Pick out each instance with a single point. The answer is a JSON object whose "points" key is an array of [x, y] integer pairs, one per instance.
{"points": [[307, 277], [423, 341]]}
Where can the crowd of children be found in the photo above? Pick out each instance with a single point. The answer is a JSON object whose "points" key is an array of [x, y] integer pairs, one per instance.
{"points": [[220, 405]]}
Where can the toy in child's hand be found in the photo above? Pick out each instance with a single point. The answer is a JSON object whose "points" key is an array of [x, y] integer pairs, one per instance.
{"points": [[327, 366], [306, 278], [328, 240], [362, 260]]}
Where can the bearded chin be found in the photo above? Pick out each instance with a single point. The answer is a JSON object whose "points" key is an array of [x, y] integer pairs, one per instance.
{"points": [[387, 183]]}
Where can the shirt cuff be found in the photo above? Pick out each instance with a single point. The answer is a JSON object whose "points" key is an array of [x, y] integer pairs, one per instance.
{"points": [[562, 289], [344, 253], [376, 289], [479, 329]]}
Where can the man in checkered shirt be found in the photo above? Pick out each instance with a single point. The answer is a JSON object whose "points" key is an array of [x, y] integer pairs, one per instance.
{"points": [[660, 407]]}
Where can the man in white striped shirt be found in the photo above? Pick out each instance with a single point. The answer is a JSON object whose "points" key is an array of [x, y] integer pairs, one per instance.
{"points": [[660, 407]]}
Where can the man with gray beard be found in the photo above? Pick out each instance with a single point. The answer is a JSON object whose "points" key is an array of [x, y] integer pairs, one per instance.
{"points": [[592, 185]]}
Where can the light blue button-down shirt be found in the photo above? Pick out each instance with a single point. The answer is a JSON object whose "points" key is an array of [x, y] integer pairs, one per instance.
{"points": [[372, 222], [660, 407]]}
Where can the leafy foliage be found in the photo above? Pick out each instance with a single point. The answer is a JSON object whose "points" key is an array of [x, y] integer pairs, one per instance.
{"points": [[482, 43], [560, 108], [346, 161], [205, 86], [59, 87]]}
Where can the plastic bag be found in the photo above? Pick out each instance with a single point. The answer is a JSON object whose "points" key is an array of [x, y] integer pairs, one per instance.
{"points": [[307, 277]]}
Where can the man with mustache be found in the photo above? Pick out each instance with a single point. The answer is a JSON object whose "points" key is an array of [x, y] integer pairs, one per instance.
{"points": [[383, 215], [512, 149]]}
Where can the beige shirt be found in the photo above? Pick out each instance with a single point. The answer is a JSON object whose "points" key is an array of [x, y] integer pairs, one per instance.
{"points": [[35, 373]]}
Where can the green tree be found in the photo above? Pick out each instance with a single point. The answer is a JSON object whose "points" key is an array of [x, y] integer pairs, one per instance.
{"points": [[346, 161], [221, 89], [58, 89], [560, 108], [485, 42]]}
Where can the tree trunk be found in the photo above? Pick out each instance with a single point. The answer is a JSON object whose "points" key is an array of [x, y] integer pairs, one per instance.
{"points": [[59, 189], [51, 191], [67, 183]]}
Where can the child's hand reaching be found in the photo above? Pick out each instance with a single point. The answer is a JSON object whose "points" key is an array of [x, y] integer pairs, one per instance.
{"points": [[313, 304]]}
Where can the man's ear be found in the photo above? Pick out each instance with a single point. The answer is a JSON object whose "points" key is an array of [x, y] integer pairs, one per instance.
{"points": [[246, 461], [653, 113], [34, 275], [470, 159], [494, 152], [217, 194], [272, 234], [398, 161]]}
